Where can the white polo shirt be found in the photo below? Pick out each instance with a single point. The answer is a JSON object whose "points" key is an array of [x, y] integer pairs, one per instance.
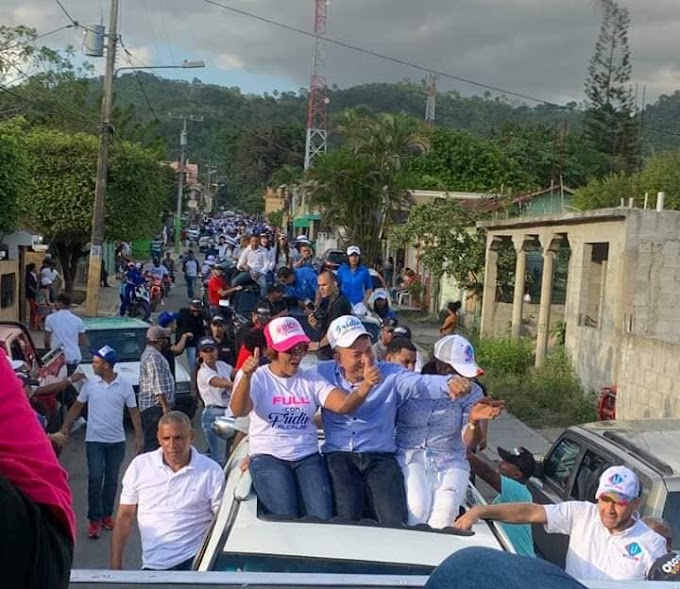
{"points": [[174, 509], [212, 395], [105, 407], [66, 328], [594, 552]]}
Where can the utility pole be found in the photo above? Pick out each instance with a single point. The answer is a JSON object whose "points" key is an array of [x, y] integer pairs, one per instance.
{"points": [[317, 106], [430, 106], [105, 132], [181, 173]]}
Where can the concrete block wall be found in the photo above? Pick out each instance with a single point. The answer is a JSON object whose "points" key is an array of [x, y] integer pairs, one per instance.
{"points": [[649, 371], [501, 320]]}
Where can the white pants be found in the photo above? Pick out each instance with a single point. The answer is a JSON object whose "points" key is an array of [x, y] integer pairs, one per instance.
{"points": [[432, 497]]}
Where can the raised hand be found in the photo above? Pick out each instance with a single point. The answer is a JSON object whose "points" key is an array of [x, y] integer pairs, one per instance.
{"points": [[251, 364], [371, 372]]}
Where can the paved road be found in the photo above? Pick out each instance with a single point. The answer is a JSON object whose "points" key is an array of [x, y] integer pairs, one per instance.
{"points": [[95, 553]]}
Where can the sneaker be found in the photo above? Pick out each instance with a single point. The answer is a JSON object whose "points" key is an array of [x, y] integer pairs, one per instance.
{"points": [[107, 523], [94, 530]]}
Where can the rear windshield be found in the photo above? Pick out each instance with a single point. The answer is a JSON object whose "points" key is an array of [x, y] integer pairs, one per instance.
{"points": [[671, 513], [271, 563], [128, 343], [336, 257]]}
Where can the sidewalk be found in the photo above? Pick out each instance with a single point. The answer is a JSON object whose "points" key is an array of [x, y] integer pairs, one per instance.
{"points": [[507, 431]]}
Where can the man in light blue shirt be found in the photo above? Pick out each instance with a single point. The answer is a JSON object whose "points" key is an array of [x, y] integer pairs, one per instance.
{"points": [[515, 469], [354, 279], [360, 447]]}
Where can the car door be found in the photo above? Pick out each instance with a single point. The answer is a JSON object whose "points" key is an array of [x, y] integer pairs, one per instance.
{"points": [[554, 486]]}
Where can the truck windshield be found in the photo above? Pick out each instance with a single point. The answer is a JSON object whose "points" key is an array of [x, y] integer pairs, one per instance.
{"points": [[128, 343], [671, 513]]}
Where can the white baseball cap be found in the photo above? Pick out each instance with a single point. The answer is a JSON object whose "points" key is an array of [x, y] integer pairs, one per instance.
{"points": [[353, 249], [344, 331], [620, 484], [284, 333], [458, 353]]}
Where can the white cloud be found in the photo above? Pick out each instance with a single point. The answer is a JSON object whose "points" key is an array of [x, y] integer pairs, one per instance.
{"points": [[229, 62]]}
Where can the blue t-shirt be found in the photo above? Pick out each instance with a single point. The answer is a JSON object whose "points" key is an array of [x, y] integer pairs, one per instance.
{"points": [[519, 534], [354, 283]]}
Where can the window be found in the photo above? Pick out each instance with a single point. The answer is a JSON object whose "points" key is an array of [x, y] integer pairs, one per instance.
{"points": [[128, 343], [595, 269], [588, 476], [671, 513], [273, 563], [8, 284], [559, 464]]}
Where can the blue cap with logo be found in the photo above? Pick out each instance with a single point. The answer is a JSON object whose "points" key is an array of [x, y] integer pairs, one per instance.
{"points": [[106, 353]]}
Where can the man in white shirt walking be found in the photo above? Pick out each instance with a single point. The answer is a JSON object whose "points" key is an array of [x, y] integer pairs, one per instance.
{"points": [[66, 330], [174, 491], [253, 265], [606, 539], [106, 396]]}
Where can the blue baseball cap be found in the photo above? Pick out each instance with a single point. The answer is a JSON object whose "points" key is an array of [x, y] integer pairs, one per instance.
{"points": [[166, 318], [106, 353]]}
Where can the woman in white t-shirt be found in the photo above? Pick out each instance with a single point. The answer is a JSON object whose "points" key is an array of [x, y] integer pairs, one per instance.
{"points": [[282, 400], [214, 386]]}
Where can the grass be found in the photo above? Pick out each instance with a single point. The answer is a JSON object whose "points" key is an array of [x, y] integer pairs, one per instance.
{"points": [[549, 396]]}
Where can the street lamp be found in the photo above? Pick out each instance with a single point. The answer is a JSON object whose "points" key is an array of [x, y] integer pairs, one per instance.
{"points": [[185, 65]]}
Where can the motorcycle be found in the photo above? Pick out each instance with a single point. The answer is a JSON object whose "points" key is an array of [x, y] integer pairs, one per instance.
{"points": [[155, 292], [140, 307]]}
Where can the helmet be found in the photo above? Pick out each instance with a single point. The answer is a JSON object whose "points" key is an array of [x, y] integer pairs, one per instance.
{"points": [[166, 318]]}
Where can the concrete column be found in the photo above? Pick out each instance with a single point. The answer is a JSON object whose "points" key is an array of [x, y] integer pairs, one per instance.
{"points": [[518, 299], [544, 310], [489, 296]]}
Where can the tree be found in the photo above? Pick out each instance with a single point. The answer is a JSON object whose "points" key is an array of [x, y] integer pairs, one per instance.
{"points": [[15, 181], [63, 168], [360, 186], [611, 116]]}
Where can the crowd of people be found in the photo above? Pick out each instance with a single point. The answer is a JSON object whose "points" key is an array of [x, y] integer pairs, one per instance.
{"points": [[400, 435]]}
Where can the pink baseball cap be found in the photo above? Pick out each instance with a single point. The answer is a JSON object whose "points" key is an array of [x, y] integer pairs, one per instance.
{"points": [[284, 333]]}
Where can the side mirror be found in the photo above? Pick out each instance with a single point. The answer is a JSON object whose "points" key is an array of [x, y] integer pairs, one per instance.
{"points": [[539, 458]]}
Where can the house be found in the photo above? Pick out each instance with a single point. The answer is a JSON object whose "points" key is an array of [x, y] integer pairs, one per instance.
{"points": [[619, 314]]}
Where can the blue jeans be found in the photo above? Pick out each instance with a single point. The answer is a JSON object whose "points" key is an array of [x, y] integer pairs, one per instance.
{"points": [[191, 358], [218, 446], [486, 568], [368, 483], [103, 466], [292, 488], [190, 282]]}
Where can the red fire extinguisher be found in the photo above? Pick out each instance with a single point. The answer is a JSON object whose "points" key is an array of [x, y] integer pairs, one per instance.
{"points": [[606, 404]]}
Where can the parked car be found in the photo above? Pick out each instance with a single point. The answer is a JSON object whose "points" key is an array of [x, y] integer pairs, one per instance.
{"points": [[46, 366], [128, 337], [571, 469], [244, 538], [332, 259]]}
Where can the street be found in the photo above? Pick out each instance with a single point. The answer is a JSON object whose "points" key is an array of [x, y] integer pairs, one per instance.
{"points": [[95, 553]]}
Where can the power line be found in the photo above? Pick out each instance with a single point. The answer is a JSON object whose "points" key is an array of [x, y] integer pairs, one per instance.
{"points": [[74, 22], [139, 82], [396, 60]]}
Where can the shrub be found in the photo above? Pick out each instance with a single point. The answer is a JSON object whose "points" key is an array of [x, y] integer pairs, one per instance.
{"points": [[504, 355]]}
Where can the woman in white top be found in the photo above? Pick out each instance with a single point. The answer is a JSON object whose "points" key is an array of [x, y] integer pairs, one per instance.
{"points": [[214, 387], [282, 400]]}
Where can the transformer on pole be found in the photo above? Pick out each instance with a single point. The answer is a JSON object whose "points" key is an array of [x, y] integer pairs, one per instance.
{"points": [[317, 107]]}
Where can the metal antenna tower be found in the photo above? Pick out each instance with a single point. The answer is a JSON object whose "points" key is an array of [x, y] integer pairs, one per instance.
{"points": [[317, 108], [431, 87]]}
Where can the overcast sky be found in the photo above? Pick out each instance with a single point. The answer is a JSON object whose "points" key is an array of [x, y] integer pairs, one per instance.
{"points": [[535, 47]]}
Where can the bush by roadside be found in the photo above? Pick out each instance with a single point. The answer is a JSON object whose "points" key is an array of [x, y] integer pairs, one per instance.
{"points": [[550, 396]]}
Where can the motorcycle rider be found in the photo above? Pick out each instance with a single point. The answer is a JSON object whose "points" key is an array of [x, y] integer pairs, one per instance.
{"points": [[169, 263], [158, 273], [218, 289], [131, 280]]}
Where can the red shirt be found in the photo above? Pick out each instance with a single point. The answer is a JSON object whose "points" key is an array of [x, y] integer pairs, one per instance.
{"points": [[215, 285], [26, 455]]}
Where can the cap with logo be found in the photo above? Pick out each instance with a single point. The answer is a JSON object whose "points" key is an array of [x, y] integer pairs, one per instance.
{"points": [[458, 353], [521, 458], [402, 331], [353, 249], [106, 353], [217, 319], [205, 343], [620, 484], [344, 331], [665, 568], [284, 333], [389, 323], [155, 332], [166, 318], [197, 303]]}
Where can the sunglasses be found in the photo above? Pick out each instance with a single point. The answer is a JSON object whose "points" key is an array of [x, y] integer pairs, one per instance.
{"points": [[208, 350], [299, 350], [354, 255]]}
